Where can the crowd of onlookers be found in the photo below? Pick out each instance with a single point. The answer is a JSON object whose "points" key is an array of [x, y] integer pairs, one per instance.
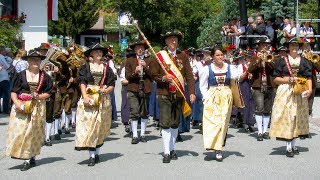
{"points": [[9, 65], [278, 30]]}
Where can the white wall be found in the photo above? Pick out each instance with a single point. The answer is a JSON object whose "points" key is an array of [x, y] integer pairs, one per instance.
{"points": [[35, 29]]}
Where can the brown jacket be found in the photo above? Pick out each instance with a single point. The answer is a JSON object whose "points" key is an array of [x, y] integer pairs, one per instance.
{"points": [[186, 71], [255, 68], [134, 78], [316, 67]]}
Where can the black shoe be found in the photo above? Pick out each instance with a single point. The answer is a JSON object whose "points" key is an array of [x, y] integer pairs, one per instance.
{"points": [[73, 125], [166, 158], [67, 131], [92, 161], [26, 166], [135, 140], [260, 137], [127, 128], [295, 151], [47, 143], [249, 129], [59, 131], [96, 158], [63, 127], [143, 139], [290, 153], [173, 155], [179, 138], [266, 135], [32, 162], [57, 137], [218, 156]]}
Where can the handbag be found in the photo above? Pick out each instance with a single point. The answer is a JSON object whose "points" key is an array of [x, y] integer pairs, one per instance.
{"points": [[236, 94], [300, 84]]}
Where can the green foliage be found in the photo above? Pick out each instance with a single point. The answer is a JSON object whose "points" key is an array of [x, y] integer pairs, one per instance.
{"points": [[211, 26], [277, 8], [157, 16], [9, 34], [75, 17]]}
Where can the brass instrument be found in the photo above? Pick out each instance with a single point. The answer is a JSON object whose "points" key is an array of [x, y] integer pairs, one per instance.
{"points": [[77, 58], [267, 56], [309, 55]]}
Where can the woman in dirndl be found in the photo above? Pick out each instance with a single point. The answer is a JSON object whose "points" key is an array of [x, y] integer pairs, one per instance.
{"points": [[94, 109], [290, 112], [31, 87], [217, 100]]}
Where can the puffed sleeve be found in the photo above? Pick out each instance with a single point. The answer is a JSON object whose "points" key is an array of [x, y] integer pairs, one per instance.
{"points": [[203, 81], [234, 71], [110, 78], [17, 83], [306, 68], [83, 74], [278, 68], [48, 84]]}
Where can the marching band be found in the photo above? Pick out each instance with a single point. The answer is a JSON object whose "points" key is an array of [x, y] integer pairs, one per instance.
{"points": [[210, 88]]}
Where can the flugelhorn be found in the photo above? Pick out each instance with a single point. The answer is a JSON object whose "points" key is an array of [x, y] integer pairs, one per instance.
{"points": [[267, 56], [309, 55]]}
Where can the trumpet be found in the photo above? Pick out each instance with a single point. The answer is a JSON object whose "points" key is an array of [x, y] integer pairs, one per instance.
{"points": [[314, 58], [267, 56]]}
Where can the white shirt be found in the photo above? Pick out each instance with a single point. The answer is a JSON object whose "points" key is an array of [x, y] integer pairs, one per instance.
{"points": [[204, 77], [3, 72], [111, 65], [20, 65], [123, 74], [287, 27]]}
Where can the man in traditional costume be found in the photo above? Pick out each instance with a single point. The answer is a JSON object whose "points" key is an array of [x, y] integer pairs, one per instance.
{"points": [[290, 110], [94, 111], [29, 92], [139, 88], [261, 69], [174, 69]]}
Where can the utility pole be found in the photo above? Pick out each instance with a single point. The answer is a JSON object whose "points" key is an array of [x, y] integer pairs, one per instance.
{"points": [[318, 24], [243, 11]]}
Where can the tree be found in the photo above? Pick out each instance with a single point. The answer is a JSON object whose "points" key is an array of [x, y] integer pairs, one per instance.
{"points": [[75, 17], [211, 26], [157, 16], [278, 8]]}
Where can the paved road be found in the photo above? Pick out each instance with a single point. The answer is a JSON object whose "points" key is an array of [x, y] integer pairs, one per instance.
{"points": [[245, 158]]}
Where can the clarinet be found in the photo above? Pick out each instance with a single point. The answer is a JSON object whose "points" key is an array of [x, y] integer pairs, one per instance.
{"points": [[141, 80]]}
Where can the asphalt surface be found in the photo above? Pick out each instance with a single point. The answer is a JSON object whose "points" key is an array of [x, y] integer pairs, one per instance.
{"points": [[244, 157]]}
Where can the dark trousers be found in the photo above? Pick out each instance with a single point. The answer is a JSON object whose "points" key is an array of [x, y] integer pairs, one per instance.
{"points": [[263, 101], [5, 94], [170, 109], [125, 108], [49, 108], [139, 106], [62, 101]]}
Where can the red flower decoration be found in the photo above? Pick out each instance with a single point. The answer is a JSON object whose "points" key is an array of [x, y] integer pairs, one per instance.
{"points": [[232, 46], [46, 45]]}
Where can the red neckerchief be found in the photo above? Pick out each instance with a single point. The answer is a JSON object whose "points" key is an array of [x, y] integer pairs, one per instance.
{"points": [[40, 82], [105, 68]]}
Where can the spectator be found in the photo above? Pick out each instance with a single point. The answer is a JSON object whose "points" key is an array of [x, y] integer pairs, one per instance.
{"points": [[290, 33], [19, 63], [4, 81], [270, 30]]}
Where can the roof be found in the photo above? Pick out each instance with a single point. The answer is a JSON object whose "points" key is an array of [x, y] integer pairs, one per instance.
{"points": [[99, 24]]}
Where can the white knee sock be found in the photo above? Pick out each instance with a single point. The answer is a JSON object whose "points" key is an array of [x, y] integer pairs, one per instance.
{"points": [[92, 154], [56, 126], [266, 120], [259, 123], [68, 118], [48, 131], [289, 146], [174, 134], [293, 143], [134, 126], [144, 123], [166, 134], [73, 113], [63, 118], [97, 151]]}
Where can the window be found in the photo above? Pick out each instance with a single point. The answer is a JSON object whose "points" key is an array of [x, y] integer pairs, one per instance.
{"points": [[8, 8]]}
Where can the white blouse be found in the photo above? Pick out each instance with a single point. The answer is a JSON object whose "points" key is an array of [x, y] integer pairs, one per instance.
{"points": [[204, 76]]}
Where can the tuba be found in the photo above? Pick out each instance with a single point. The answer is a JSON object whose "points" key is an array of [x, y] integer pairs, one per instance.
{"points": [[77, 58]]}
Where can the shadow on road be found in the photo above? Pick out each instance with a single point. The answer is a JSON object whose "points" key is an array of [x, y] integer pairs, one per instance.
{"points": [[40, 162], [282, 150], [60, 141], [111, 139], [210, 156], [152, 137], [4, 124], [181, 153], [103, 158]]}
